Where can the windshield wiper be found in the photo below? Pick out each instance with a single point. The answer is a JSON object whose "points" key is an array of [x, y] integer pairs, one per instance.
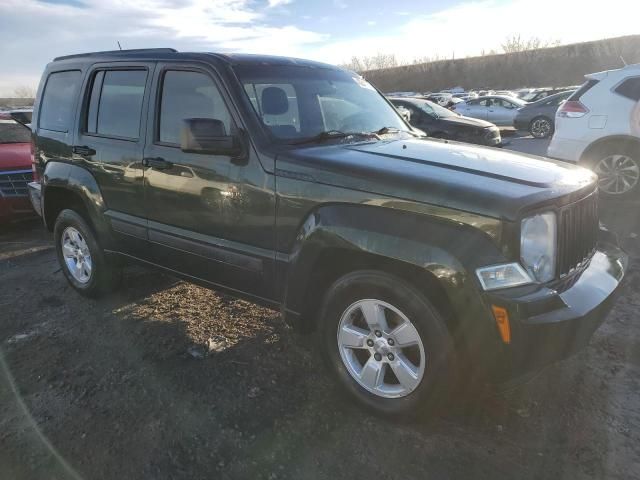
{"points": [[331, 134], [385, 130]]}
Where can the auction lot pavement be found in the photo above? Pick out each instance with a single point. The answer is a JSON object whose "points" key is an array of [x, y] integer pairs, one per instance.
{"points": [[121, 388]]}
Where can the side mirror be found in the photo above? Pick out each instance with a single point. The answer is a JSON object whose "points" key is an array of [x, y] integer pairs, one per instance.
{"points": [[209, 136]]}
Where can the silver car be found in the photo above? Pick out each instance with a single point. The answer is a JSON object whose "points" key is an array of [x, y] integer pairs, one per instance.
{"points": [[498, 109]]}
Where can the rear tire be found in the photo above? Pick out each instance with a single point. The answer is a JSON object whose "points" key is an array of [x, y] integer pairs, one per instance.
{"points": [[400, 367], [617, 165], [81, 257], [541, 127]]}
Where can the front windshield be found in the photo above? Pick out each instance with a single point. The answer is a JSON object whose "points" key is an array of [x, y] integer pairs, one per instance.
{"points": [[295, 102]]}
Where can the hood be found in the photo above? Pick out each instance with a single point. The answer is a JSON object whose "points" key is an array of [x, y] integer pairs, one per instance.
{"points": [[482, 180], [465, 121], [14, 156]]}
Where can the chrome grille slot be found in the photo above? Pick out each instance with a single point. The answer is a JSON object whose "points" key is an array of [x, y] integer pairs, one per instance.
{"points": [[577, 233]]}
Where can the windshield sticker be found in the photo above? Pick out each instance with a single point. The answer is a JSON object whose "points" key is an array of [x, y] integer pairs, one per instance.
{"points": [[363, 83]]}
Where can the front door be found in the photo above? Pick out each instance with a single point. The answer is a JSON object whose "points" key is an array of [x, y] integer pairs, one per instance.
{"points": [[210, 216]]}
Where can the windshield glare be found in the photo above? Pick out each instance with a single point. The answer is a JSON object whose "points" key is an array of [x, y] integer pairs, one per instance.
{"points": [[296, 102], [434, 109]]}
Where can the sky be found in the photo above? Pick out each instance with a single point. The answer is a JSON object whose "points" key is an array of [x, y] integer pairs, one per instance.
{"points": [[32, 32]]}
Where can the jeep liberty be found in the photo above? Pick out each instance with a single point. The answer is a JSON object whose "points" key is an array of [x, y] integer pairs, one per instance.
{"points": [[298, 186]]}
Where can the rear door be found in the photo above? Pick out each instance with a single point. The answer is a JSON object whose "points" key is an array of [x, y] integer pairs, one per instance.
{"points": [[110, 143], [210, 216]]}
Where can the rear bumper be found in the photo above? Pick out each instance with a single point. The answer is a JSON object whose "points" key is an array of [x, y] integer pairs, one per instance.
{"points": [[550, 323], [35, 196], [565, 149]]}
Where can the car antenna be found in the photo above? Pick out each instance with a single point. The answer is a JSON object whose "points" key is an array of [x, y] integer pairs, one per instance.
{"points": [[119, 46]]}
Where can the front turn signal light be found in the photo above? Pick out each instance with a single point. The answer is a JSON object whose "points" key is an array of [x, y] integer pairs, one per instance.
{"points": [[502, 321]]}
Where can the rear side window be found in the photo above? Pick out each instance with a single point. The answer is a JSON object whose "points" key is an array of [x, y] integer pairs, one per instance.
{"points": [[588, 85], [58, 100], [115, 105], [630, 88]]}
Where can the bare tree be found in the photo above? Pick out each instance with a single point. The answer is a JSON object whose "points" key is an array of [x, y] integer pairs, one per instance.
{"points": [[515, 43], [24, 91], [375, 62]]}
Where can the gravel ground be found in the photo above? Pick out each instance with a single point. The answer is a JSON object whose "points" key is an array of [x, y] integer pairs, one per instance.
{"points": [[166, 380]]}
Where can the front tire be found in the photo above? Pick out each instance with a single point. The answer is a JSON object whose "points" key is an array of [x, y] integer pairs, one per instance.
{"points": [[81, 258], [386, 344]]}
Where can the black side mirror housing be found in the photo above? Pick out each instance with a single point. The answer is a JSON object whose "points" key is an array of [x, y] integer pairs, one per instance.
{"points": [[209, 136]]}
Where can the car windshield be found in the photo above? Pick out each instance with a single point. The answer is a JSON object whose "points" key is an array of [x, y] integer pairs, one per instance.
{"points": [[434, 110], [296, 102], [12, 132]]}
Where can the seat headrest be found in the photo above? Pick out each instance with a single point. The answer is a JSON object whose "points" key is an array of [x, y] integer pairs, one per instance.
{"points": [[274, 101]]}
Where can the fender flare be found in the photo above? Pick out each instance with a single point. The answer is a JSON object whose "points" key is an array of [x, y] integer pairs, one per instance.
{"points": [[446, 250]]}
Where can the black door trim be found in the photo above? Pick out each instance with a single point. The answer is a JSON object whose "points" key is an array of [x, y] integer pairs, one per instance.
{"points": [[236, 254]]}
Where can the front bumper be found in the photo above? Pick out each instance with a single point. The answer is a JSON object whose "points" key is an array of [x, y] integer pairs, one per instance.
{"points": [[551, 322]]}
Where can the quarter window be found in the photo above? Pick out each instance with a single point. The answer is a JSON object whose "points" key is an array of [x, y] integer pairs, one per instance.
{"points": [[630, 88], [188, 95], [57, 102], [115, 105]]}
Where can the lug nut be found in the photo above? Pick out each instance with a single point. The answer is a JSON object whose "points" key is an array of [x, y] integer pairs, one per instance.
{"points": [[378, 333], [370, 342], [390, 356], [377, 356], [391, 342]]}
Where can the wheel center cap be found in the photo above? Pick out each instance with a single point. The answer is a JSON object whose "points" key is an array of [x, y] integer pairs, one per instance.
{"points": [[381, 346]]}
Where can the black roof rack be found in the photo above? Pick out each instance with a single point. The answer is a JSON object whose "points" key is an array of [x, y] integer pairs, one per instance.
{"points": [[118, 52]]}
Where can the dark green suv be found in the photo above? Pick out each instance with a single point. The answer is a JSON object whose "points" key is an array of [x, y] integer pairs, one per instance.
{"points": [[296, 185]]}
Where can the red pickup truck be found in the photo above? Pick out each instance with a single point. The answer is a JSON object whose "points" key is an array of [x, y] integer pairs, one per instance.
{"points": [[15, 166]]}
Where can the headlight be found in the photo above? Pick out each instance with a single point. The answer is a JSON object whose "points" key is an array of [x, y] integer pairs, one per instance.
{"points": [[538, 246]]}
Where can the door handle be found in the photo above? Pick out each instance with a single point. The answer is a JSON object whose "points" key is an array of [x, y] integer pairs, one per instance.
{"points": [[156, 163], [83, 150]]}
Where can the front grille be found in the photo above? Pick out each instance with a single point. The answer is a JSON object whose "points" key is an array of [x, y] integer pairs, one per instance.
{"points": [[577, 233], [14, 183]]}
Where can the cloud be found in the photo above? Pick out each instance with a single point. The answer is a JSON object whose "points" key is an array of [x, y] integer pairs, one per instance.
{"points": [[188, 25], [276, 3], [248, 25]]}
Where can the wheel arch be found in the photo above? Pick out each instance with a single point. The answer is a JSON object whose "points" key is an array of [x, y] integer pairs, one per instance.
{"points": [[431, 254], [70, 186], [629, 141]]}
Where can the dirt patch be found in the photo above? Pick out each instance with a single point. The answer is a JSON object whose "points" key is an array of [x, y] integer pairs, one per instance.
{"points": [[165, 380]]}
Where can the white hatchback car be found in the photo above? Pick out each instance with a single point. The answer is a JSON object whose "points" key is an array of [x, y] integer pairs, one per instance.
{"points": [[599, 127]]}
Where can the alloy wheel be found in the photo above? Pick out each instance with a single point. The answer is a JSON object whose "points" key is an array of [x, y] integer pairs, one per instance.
{"points": [[541, 128], [381, 348], [77, 256], [617, 174]]}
